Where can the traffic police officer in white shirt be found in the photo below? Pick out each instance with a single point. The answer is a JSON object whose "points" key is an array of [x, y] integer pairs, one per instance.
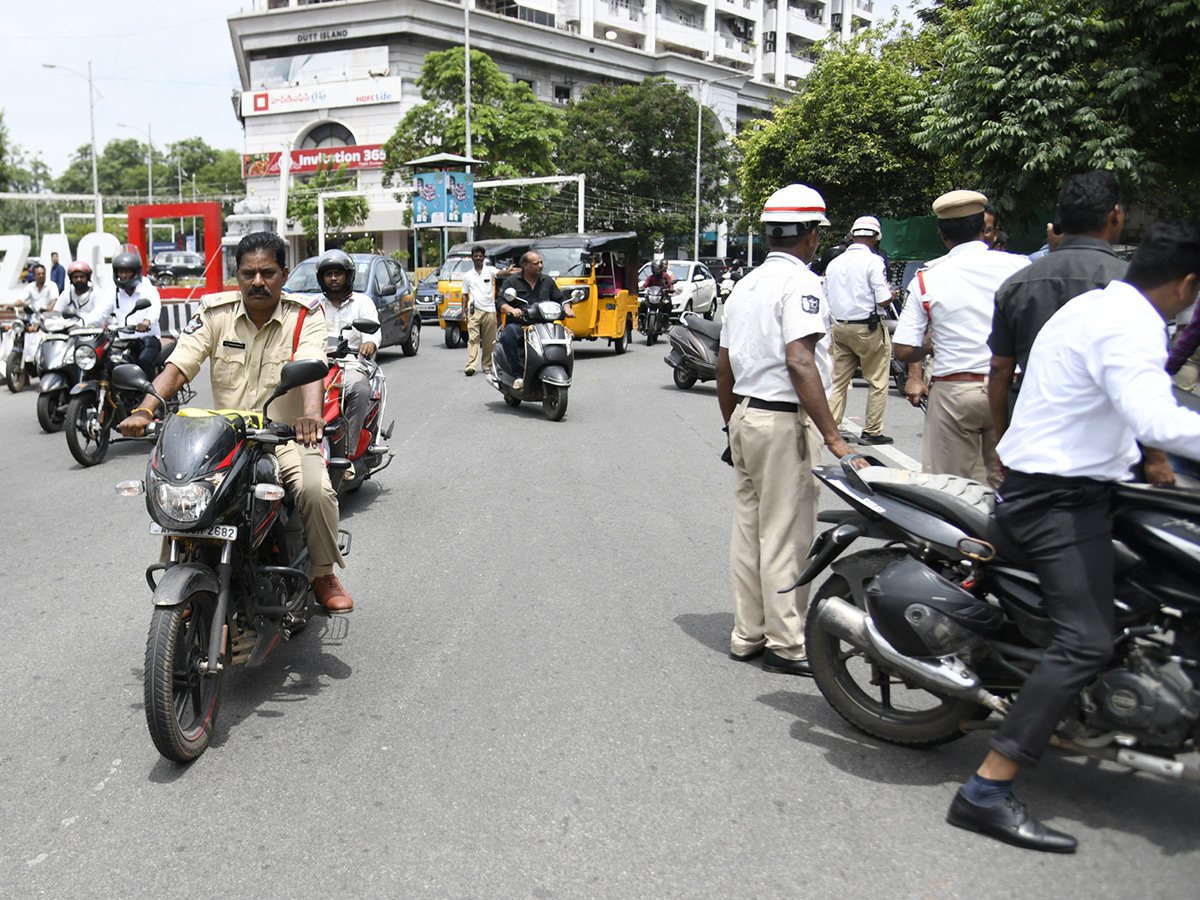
{"points": [[342, 305], [132, 287], [857, 288], [1096, 385], [954, 298], [479, 301], [772, 399]]}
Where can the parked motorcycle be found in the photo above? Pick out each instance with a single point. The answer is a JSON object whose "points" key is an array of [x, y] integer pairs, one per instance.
{"points": [[97, 406], [362, 451], [918, 641], [549, 359], [236, 579], [57, 372], [695, 343], [18, 371], [654, 315]]}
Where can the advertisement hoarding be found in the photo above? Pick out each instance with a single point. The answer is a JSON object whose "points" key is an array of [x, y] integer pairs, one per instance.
{"points": [[335, 95], [364, 156], [444, 199]]}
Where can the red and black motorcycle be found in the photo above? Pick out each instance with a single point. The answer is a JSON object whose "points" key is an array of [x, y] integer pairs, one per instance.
{"points": [[363, 452], [236, 579]]}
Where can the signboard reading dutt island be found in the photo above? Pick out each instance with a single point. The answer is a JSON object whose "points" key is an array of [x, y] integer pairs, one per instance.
{"points": [[334, 95], [367, 156]]}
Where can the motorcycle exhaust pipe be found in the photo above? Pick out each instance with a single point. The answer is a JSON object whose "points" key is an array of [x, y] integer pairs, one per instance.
{"points": [[1142, 762], [946, 676]]}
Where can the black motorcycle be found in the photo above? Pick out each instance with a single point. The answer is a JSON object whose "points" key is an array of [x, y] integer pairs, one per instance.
{"points": [[56, 370], [695, 343], [17, 371], [920, 640], [549, 358], [97, 407], [361, 452], [236, 579], [654, 314]]}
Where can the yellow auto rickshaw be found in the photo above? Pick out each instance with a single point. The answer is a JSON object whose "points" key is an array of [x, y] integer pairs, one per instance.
{"points": [[604, 265], [501, 253]]}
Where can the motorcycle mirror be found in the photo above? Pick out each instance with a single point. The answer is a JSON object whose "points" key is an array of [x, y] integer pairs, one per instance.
{"points": [[141, 304], [366, 326], [129, 377], [510, 294], [294, 374]]}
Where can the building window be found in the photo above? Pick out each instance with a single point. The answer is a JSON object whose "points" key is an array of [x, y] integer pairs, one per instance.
{"points": [[327, 134], [562, 93]]}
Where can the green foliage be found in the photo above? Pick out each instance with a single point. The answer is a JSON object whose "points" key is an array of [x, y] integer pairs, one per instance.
{"points": [[1034, 90], [340, 212], [847, 133], [121, 170], [510, 129], [637, 146], [364, 244], [402, 256]]}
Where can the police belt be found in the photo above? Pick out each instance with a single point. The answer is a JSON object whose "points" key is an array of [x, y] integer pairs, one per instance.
{"points": [[773, 405]]}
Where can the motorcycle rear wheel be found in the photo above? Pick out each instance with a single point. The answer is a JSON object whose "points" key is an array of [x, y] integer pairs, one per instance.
{"points": [[14, 372], [48, 415], [872, 698], [512, 401], [554, 402], [684, 380], [181, 702], [87, 448]]}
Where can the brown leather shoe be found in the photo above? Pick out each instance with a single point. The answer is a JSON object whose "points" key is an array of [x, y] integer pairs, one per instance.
{"points": [[331, 594]]}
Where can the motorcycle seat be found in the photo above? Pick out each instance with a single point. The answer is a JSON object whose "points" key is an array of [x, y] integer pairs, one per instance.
{"points": [[964, 503], [704, 327]]}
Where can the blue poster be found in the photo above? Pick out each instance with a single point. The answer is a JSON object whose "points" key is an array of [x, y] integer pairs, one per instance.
{"points": [[460, 199], [429, 201]]}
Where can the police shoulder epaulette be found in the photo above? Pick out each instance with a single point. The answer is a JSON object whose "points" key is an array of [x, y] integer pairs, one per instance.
{"points": [[311, 302], [208, 301]]}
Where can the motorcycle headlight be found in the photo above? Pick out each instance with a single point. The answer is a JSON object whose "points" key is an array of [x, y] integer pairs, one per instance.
{"points": [[535, 340], [85, 357], [183, 502]]}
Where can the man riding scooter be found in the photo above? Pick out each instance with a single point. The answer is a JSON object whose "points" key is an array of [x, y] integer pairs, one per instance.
{"points": [[80, 298], [531, 287], [132, 287], [342, 305]]}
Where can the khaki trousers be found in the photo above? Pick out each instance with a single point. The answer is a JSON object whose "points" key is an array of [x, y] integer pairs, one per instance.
{"points": [[1185, 379], [855, 345], [960, 438], [774, 517], [304, 474], [481, 329]]}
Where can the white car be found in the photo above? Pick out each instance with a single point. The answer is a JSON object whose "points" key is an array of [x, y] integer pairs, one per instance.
{"points": [[695, 287]]}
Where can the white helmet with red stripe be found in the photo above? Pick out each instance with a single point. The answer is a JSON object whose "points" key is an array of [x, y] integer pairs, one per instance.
{"points": [[794, 205]]}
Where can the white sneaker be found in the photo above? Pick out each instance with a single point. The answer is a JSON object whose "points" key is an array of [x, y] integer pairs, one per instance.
{"points": [[518, 384]]}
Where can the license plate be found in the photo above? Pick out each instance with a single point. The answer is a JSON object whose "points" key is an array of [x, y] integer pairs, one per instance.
{"points": [[215, 533]]}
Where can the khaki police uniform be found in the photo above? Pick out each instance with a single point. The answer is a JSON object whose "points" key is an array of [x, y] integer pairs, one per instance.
{"points": [[245, 366]]}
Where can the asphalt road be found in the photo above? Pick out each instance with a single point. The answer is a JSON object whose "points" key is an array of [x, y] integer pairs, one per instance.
{"points": [[533, 698]]}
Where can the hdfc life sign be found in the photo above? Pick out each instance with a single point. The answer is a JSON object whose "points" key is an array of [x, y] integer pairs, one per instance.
{"points": [[337, 94]]}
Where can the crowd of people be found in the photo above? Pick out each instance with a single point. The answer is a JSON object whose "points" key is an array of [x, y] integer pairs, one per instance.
{"points": [[1062, 360]]}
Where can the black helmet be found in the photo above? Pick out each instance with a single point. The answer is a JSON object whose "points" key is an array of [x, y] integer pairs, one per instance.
{"points": [[657, 266], [336, 259], [127, 259]]}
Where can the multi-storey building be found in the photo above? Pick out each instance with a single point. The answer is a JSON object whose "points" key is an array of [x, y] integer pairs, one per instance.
{"points": [[322, 74]]}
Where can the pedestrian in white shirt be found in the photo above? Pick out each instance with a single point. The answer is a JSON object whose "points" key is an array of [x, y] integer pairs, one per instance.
{"points": [[953, 298], [479, 302], [342, 305], [857, 288], [132, 287], [772, 399], [1096, 385]]}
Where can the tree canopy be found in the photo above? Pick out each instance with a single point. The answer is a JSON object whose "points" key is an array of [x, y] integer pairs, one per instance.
{"points": [[1034, 90], [847, 133], [510, 129], [340, 212], [636, 144], [122, 170]]}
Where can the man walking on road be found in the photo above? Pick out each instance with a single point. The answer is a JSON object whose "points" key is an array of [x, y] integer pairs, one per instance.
{"points": [[953, 298], [772, 399], [479, 300], [857, 288]]}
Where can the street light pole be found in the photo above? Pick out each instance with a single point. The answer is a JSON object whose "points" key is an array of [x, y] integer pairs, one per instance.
{"points": [[98, 206], [467, 86], [700, 86]]}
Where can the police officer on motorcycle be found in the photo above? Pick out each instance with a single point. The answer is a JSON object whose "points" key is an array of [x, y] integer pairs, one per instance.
{"points": [[342, 305]]}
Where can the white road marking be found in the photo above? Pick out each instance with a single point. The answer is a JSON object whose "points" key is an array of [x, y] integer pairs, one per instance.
{"points": [[887, 450]]}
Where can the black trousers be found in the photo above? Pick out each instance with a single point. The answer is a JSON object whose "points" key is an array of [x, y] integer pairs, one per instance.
{"points": [[512, 339], [1064, 525], [147, 355]]}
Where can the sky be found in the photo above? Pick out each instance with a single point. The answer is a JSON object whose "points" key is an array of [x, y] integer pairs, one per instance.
{"points": [[165, 62]]}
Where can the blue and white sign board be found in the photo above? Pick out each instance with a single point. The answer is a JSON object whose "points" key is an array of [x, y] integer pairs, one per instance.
{"points": [[444, 199]]}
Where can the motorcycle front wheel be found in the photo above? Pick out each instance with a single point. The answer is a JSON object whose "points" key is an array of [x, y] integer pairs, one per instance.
{"points": [[48, 415], [872, 698], [14, 372], [181, 701], [554, 402], [87, 431]]}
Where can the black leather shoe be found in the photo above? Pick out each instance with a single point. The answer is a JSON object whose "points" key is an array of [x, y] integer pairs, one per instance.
{"points": [[773, 662], [880, 438], [1009, 822], [746, 657]]}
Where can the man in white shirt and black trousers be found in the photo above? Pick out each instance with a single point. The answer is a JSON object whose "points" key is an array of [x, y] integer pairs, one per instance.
{"points": [[1096, 385]]}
